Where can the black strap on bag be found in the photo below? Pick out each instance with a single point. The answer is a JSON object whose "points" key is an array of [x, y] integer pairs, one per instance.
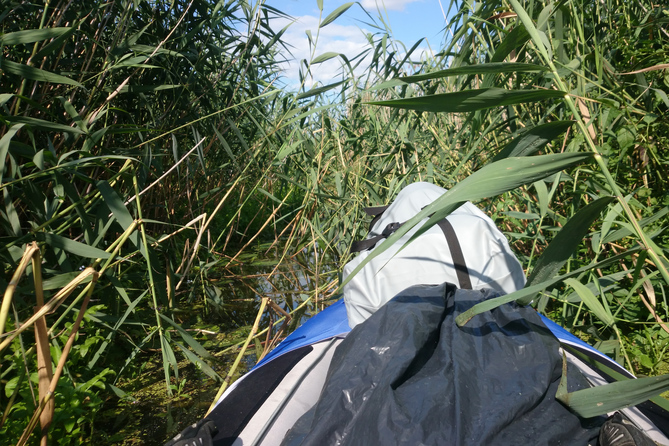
{"points": [[454, 247], [459, 263], [369, 243], [376, 213]]}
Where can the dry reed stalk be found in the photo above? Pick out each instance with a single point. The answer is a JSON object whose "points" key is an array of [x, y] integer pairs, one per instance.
{"points": [[232, 370], [48, 398], [13, 283], [44, 368]]}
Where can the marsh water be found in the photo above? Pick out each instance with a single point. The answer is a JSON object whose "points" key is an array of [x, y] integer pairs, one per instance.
{"points": [[218, 311]]}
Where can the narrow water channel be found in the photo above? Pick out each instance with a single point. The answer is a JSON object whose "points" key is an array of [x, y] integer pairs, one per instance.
{"points": [[218, 310]]}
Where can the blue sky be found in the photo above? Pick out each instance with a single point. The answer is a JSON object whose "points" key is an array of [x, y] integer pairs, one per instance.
{"points": [[409, 20]]}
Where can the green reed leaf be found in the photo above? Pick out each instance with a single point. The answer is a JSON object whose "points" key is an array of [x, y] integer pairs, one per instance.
{"points": [[32, 35], [43, 125], [479, 69], [168, 360], [225, 145], [131, 309], [535, 34], [324, 57], [470, 100], [514, 40], [187, 337], [488, 305], [115, 204], [135, 89], [318, 90], [36, 74], [611, 397], [410, 52], [335, 14], [38, 159], [501, 176], [118, 209], [72, 246], [69, 108], [4, 97], [199, 363], [60, 280], [625, 232], [11, 215], [286, 150], [121, 394], [530, 291], [566, 241], [615, 374], [590, 300], [491, 68], [534, 139], [523, 215], [56, 44], [269, 195], [94, 138], [4, 146], [542, 196]]}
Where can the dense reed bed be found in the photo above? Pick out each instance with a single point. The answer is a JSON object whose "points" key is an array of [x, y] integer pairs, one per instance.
{"points": [[148, 146]]}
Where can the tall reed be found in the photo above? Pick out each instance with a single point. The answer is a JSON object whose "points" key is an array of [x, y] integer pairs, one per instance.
{"points": [[146, 144]]}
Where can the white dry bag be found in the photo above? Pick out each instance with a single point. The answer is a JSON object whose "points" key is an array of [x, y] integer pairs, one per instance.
{"points": [[465, 249]]}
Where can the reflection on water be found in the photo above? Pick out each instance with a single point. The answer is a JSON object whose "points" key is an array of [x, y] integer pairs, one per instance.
{"points": [[236, 289]]}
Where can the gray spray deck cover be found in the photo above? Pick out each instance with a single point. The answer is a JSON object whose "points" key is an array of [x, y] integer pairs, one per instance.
{"points": [[409, 375]]}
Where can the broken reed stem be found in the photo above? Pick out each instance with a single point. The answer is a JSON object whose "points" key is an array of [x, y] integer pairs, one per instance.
{"points": [[44, 401], [44, 368], [51, 305], [60, 297], [45, 374]]}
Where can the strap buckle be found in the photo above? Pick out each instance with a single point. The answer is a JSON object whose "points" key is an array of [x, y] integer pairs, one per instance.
{"points": [[390, 228]]}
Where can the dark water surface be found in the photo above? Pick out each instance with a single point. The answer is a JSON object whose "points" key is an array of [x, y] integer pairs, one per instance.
{"points": [[218, 310]]}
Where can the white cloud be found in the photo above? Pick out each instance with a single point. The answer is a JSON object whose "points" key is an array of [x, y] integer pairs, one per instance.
{"points": [[348, 40], [391, 5]]}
